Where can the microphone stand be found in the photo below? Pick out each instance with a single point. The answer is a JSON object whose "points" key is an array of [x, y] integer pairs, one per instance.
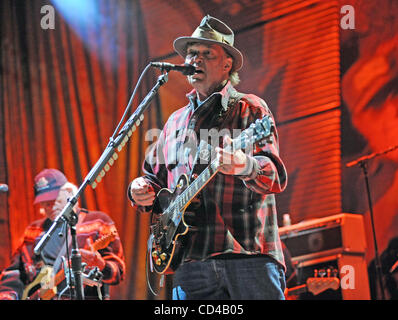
{"points": [[95, 176], [363, 163], [77, 268]]}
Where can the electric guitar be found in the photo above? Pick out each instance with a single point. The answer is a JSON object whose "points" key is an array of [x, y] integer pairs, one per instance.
{"points": [[168, 224], [48, 290]]}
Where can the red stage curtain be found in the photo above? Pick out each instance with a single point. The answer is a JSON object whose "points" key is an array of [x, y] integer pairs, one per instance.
{"points": [[63, 91]]}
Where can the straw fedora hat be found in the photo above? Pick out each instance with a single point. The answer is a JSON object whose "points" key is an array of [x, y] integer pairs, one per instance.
{"points": [[211, 31]]}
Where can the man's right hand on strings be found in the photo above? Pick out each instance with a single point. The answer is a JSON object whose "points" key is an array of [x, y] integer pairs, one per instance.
{"points": [[142, 192]]}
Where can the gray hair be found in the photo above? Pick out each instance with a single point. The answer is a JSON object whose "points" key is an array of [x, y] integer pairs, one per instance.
{"points": [[234, 78]]}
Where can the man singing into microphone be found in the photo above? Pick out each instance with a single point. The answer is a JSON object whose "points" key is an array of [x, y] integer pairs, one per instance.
{"points": [[98, 241], [235, 251]]}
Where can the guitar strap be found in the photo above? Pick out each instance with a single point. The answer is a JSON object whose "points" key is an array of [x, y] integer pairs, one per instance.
{"points": [[62, 252], [204, 149], [81, 213]]}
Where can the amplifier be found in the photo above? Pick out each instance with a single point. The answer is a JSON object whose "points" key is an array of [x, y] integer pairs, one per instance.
{"points": [[324, 236], [335, 242]]}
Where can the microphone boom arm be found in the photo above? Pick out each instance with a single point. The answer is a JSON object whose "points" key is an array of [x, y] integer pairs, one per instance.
{"points": [[104, 163]]}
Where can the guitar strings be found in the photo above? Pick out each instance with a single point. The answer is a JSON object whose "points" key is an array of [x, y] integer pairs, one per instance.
{"points": [[213, 165]]}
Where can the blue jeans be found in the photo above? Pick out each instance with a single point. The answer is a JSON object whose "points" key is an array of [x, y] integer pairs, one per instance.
{"points": [[251, 278]]}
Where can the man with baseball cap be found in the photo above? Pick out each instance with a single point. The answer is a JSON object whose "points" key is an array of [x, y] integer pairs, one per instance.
{"points": [[235, 251], [47, 185], [52, 191]]}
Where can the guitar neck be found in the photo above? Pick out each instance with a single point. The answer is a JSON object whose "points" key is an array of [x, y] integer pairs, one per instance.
{"points": [[198, 184], [205, 176], [257, 131], [59, 277], [297, 290], [315, 285]]}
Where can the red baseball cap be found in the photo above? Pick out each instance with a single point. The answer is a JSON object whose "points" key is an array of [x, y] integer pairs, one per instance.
{"points": [[47, 185]]}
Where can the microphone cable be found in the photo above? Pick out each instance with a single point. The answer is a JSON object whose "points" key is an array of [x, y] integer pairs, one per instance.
{"points": [[130, 102]]}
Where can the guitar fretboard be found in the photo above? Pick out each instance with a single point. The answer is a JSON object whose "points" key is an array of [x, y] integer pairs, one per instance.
{"points": [[196, 186], [262, 129]]}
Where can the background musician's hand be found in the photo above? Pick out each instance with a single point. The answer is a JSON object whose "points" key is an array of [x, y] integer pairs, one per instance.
{"points": [[142, 192], [92, 257]]}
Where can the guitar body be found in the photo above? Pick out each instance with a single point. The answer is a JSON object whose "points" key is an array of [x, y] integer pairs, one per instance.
{"points": [[45, 276], [167, 227]]}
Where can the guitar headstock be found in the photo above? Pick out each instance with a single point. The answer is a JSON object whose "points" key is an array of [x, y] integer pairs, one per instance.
{"points": [[260, 130], [323, 280]]}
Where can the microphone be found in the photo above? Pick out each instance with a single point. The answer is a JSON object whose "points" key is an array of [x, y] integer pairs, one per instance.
{"points": [[185, 69], [3, 187]]}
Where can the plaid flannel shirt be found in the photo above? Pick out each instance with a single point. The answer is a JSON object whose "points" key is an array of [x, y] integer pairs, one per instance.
{"points": [[237, 214]]}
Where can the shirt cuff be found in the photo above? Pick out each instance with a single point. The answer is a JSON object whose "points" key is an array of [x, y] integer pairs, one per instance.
{"points": [[251, 169], [142, 209]]}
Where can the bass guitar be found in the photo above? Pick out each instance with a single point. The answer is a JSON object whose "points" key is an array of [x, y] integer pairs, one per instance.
{"points": [[168, 225]]}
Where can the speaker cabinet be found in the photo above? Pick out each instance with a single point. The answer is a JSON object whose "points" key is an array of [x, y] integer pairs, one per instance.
{"points": [[336, 242]]}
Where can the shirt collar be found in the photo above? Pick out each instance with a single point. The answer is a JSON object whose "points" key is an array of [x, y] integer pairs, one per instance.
{"points": [[226, 92]]}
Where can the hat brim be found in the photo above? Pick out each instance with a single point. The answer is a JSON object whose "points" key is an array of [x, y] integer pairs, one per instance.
{"points": [[180, 45], [47, 196]]}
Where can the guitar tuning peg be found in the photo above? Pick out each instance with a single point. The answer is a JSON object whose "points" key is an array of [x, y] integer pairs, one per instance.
{"points": [[322, 273]]}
